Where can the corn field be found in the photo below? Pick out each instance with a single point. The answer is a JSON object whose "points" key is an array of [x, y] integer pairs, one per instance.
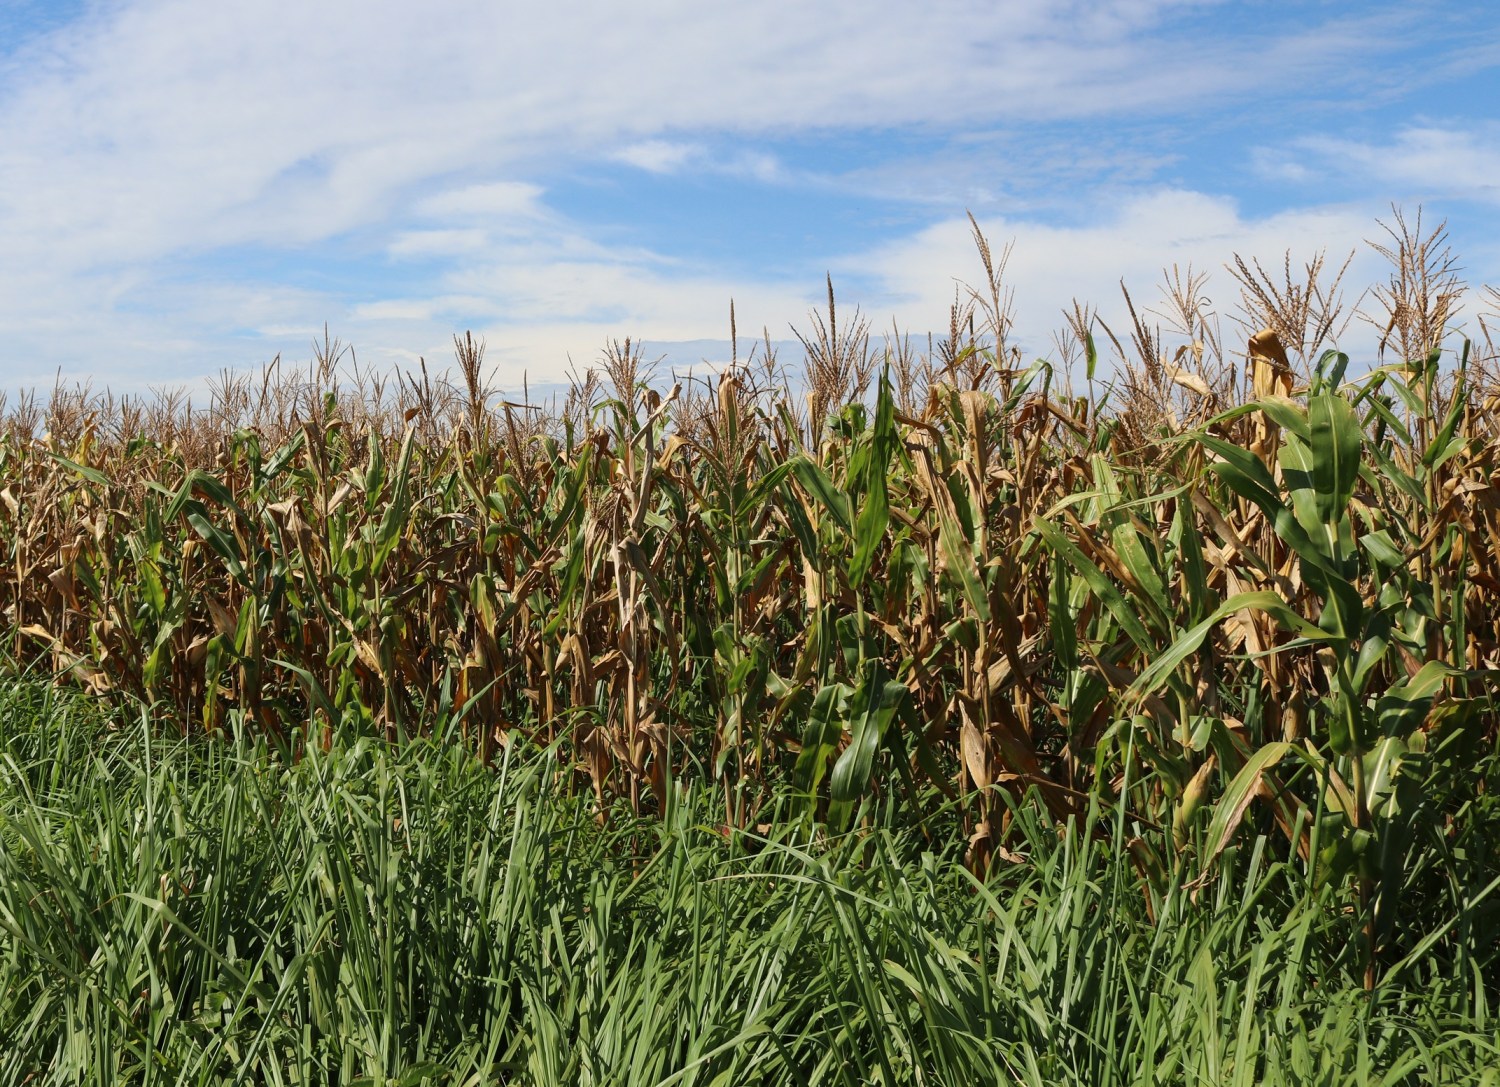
{"points": [[1180, 586]]}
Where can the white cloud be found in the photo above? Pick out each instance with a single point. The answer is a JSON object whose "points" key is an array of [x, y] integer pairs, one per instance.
{"points": [[757, 165], [537, 312], [165, 124], [1051, 265], [494, 199], [157, 131], [669, 157], [1420, 161], [435, 243], [658, 156]]}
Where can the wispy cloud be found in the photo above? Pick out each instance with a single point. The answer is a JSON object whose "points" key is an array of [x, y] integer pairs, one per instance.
{"points": [[437, 243], [1418, 162], [658, 156], [503, 199], [182, 184], [1049, 266]]}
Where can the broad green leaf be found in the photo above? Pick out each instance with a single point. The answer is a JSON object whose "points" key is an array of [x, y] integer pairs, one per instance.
{"points": [[1230, 810], [1383, 549], [1397, 475], [1060, 619], [958, 555], [1103, 587], [1287, 414], [1137, 559], [1382, 765], [821, 736], [93, 475], [1245, 463], [768, 483], [802, 529], [223, 543], [315, 692], [393, 521], [1343, 613], [1297, 466], [1445, 445], [874, 513], [1247, 477], [1188, 643], [283, 456], [1402, 709], [1335, 446], [1372, 649], [875, 704], [816, 482], [1185, 537]]}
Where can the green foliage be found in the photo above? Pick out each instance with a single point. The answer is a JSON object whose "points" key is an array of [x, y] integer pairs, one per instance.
{"points": [[183, 911], [1205, 605]]}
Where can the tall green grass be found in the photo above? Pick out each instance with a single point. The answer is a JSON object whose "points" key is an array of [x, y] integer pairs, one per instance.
{"points": [[192, 911]]}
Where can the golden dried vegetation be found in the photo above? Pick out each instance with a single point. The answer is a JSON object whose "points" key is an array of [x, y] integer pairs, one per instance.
{"points": [[1192, 584]]}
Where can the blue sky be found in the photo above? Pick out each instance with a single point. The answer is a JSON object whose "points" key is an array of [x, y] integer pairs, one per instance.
{"points": [[186, 187]]}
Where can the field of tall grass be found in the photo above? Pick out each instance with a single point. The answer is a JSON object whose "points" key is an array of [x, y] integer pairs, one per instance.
{"points": [[173, 911], [923, 715]]}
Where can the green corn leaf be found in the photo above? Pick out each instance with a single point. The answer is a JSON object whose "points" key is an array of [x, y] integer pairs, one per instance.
{"points": [[199, 481], [958, 492], [1184, 535], [958, 554], [1402, 709], [1246, 466], [1382, 411], [1247, 476], [373, 479], [1401, 386], [1060, 619], [751, 577], [816, 482], [875, 703], [223, 543], [1382, 765], [1398, 476], [1330, 367], [283, 456], [1372, 649], [1343, 613], [1287, 414], [180, 500], [1103, 587], [1189, 641], [757, 495], [93, 475], [1337, 438], [1283, 411], [397, 509], [1297, 475], [210, 485], [821, 736], [802, 529], [1444, 446], [1383, 549], [249, 616], [1137, 559], [152, 588], [562, 522], [874, 513], [1231, 808], [315, 692]]}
